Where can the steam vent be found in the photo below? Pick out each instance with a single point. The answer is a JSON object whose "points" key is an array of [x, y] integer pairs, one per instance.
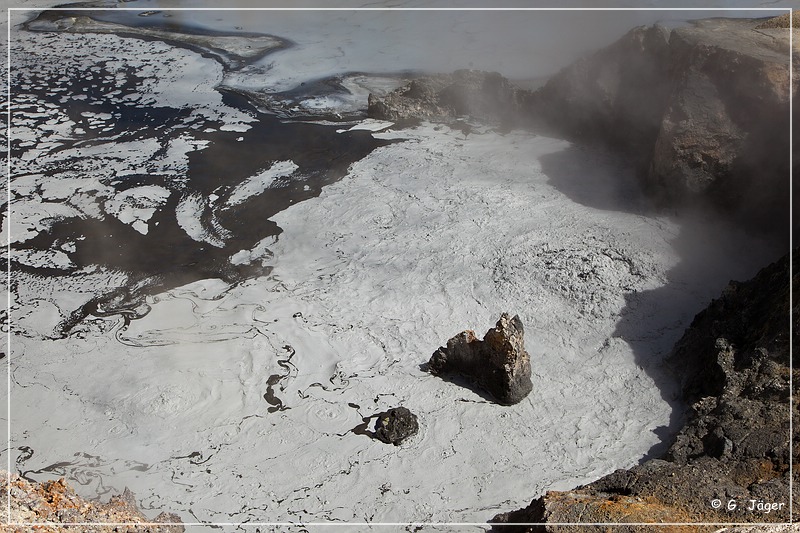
{"points": [[498, 364]]}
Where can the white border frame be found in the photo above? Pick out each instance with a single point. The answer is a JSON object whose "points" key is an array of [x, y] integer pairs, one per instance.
{"points": [[8, 522]]}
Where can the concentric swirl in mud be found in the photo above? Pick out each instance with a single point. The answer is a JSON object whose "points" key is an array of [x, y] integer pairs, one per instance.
{"points": [[331, 417]]}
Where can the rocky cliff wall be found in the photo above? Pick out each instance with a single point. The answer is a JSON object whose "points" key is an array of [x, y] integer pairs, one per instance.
{"points": [[703, 110], [617, 95]]}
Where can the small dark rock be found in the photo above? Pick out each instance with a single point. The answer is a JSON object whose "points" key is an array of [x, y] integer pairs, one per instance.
{"points": [[396, 425], [499, 364]]}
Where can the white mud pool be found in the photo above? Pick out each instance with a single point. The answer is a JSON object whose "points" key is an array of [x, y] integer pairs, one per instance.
{"points": [[209, 298]]}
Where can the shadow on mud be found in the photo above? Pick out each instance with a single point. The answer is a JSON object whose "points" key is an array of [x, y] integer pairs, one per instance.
{"points": [[712, 250]]}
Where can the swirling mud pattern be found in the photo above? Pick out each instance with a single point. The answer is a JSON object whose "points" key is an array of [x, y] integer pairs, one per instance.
{"points": [[218, 285]]}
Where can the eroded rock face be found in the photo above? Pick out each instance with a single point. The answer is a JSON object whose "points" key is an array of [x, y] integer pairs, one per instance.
{"points": [[498, 364], [617, 94], [733, 363], [396, 425], [485, 96], [735, 374], [724, 132], [703, 110], [55, 503]]}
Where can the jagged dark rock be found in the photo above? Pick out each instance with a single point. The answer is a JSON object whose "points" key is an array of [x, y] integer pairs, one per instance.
{"points": [[499, 363], [733, 364], [485, 96], [396, 425]]}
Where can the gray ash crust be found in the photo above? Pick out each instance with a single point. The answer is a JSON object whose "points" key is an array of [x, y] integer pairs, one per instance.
{"points": [[713, 450], [733, 363]]}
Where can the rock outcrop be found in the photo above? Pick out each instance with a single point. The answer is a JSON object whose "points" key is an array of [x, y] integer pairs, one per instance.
{"points": [[485, 96], [617, 95], [498, 364], [396, 425], [733, 363], [54, 503], [579, 507], [702, 109]]}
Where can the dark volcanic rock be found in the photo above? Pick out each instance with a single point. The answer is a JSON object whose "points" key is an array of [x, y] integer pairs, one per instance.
{"points": [[734, 367], [724, 133], [486, 96], [499, 364], [703, 110], [396, 425], [735, 373], [618, 94]]}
